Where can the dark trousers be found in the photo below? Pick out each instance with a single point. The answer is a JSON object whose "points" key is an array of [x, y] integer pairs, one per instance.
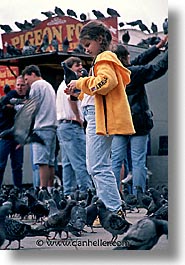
{"points": [[8, 147]]}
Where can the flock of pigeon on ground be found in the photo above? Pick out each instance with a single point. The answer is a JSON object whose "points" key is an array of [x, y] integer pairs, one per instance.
{"points": [[52, 214], [32, 49]]}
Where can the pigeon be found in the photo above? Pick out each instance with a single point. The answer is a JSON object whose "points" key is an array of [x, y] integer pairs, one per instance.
{"points": [[98, 14], [37, 208], [144, 234], [28, 25], [111, 222], [28, 49], [112, 12], [164, 192], [52, 207], [68, 74], [78, 218], [71, 13], [19, 206], [56, 197], [121, 24], [143, 199], [48, 14], [35, 22], [83, 17], [4, 212], [134, 23], [21, 26], [6, 28], [126, 37], [65, 44], [161, 213], [92, 213], [143, 27], [165, 26], [54, 43], [130, 200], [43, 195], [59, 12], [16, 231], [154, 28], [45, 43], [22, 131], [11, 50], [58, 222]]}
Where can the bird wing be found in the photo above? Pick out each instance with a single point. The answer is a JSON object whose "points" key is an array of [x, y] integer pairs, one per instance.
{"points": [[24, 120], [68, 74]]}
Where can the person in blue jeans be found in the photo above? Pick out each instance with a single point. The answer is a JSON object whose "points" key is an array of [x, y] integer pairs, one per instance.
{"points": [[9, 147], [71, 137], [142, 72], [103, 98]]}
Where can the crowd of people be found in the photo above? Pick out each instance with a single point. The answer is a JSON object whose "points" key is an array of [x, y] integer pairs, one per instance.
{"points": [[112, 100]]}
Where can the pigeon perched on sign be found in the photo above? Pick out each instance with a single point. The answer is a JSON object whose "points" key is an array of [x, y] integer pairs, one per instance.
{"points": [[98, 14], [112, 12], [71, 13], [154, 28], [59, 12], [6, 28], [48, 14]]}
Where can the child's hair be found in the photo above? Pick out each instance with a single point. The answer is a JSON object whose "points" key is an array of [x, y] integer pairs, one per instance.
{"points": [[93, 30]]}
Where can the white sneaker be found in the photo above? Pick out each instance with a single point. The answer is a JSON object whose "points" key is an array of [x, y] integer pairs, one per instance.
{"points": [[127, 179]]}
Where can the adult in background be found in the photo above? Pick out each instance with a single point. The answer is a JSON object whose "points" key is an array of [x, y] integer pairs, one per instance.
{"points": [[44, 125], [9, 104], [71, 136], [143, 71]]}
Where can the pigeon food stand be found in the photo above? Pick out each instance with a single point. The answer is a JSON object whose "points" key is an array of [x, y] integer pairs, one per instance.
{"points": [[47, 45]]}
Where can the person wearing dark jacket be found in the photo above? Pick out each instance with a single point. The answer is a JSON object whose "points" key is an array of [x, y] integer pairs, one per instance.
{"points": [[143, 71], [9, 104]]}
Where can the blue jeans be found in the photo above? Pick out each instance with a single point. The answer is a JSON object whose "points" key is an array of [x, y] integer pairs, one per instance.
{"points": [[138, 146], [73, 153], [35, 170], [8, 147], [98, 150]]}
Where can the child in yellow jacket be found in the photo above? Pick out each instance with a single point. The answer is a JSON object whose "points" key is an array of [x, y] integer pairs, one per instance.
{"points": [[105, 107]]}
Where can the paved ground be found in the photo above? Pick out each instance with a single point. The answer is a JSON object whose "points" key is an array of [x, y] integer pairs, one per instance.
{"points": [[88, 241]]}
